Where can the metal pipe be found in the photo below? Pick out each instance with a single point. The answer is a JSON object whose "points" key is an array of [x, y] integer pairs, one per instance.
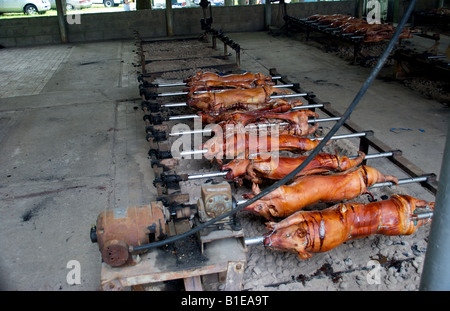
{"points": [[182, 117], [423, 215], [184, 84], [343, 136], [379, 185], [252, 126], [436, 56], [170, 84], [170, 105], [254, 240], [288, 95], [194, 116], [201, 151], [223, 173], [436, 270], [207, 175], [213, 91], [375, 155], [400, 182]]}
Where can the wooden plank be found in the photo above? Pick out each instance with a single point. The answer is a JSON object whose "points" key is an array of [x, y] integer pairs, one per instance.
{"points": [[158, 266], [235, 276]]}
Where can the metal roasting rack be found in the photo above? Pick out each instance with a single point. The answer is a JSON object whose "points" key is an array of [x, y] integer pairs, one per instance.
{"points": [[226, 256]]}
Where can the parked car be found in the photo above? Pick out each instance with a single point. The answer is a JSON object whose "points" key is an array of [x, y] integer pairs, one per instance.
{"points": [[24, 6], [108, 3], [73, 4]]}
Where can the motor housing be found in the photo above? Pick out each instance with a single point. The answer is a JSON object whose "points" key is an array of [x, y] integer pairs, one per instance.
{"points": [[119, 228], [216, 199]]}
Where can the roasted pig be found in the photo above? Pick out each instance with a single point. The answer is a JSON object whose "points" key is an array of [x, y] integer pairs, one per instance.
{"points": [[210, 76], [292, 123], [234, 98], [276, 106], [241, 145], [307, 232], [272, 167], [312, 189], [214, 85], [321, 17]]}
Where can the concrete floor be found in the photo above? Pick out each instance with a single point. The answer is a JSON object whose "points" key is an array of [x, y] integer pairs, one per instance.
{"points": [[72, 142]]}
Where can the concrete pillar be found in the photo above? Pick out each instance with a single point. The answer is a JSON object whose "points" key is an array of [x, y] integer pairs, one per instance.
{"points": [[169, 18], [267, 14], [60, 8]]}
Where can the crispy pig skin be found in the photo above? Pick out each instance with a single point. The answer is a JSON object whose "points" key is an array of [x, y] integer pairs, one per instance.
{"points": [[211, 76], [241, 145], [307, 232], [275, 168], [312, 189], [256, 97]]}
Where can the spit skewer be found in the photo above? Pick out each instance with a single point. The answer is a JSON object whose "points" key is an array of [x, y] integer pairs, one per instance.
{"points": [[386, 184], [414, 217], [252, 126], [184, 84], [194, 116], [183, 104], [212, 91], [343, 136], [223, 173]]}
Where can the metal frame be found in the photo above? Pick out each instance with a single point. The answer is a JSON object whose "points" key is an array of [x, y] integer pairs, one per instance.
{"points": [[226, 256]]}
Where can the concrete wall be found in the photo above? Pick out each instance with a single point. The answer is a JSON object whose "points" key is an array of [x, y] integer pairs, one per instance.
{"points": [[29, 31], [152, 23]]}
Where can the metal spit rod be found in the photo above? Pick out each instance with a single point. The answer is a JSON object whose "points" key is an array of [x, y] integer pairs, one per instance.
{"points": [[400, 182], [252, 126], [220, 174], [343, 136], [260, 239], [255, 240], [184, 84], [171, 105], [194, 116], [384, 184], [213, 91]]}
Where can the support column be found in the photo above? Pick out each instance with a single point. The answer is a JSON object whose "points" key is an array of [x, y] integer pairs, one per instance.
{"points": [[60, 4], [169, 18], [267, 14]]}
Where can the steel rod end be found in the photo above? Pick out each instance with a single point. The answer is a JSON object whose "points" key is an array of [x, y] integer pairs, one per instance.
{"points": [[254, 240]]}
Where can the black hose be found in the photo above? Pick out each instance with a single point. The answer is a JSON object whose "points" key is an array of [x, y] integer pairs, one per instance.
{"points": [[314, 152]]}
